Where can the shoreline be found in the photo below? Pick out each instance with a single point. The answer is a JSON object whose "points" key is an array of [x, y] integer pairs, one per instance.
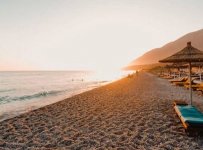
{"points": [[23, 107], [131, 113]]}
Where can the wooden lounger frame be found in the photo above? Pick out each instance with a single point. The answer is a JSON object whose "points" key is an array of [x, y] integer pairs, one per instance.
{"points": [[185, 125]]}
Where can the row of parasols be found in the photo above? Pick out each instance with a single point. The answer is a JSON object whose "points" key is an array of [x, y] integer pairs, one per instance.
{"points": [[189, 55]]}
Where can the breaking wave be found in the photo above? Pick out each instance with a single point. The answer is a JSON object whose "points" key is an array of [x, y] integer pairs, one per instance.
{"points": [[7, 99]]}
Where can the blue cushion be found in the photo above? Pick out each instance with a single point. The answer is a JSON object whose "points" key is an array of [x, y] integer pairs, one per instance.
{"points": [[190, 114]]}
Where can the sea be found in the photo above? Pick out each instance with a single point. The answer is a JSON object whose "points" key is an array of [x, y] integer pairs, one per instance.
{"points": [[23, 91]]}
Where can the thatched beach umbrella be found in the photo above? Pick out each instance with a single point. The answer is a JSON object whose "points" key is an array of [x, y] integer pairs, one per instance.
{"points": [[188, 55]]}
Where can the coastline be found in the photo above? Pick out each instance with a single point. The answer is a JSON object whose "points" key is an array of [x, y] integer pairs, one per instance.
{"points": [[131, 113], [17, 108]]}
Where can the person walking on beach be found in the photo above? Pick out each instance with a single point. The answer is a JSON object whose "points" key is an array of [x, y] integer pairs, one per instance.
{"points": [[137, 72]]}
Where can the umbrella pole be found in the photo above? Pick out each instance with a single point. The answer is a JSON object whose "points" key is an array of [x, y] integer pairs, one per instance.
{"points": [[179, 72], [190, 80], [200, 73]]}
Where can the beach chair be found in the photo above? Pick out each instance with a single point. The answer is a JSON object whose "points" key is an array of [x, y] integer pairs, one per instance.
{"points": [[166, 76], [194, 86], [182, 83], [178, 80], [185, 83], [200, 87], [191, 118]]}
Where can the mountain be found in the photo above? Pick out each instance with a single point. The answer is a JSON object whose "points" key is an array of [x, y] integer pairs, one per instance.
{"points": [[154, 55]]}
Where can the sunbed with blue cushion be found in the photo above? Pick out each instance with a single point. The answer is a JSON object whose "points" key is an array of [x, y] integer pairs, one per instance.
{"points": [[189, 116]]}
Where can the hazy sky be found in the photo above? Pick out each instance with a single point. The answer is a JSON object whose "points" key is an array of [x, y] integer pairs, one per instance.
{"points": [[89, 34]]}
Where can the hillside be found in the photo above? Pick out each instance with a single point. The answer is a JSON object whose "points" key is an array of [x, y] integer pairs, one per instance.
{"points": [[154, 55]]}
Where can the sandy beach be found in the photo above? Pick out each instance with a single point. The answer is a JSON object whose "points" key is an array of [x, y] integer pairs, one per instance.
{"points": [[132, 113]]}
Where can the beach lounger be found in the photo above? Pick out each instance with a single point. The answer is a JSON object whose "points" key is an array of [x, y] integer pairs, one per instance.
{"points": [[184, 83], [200, 87], [182, 79], [194, 86], [181, 83], [168, 77], [191, 118]]}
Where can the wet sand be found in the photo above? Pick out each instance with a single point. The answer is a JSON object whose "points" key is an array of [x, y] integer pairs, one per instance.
{"points": [[132, 113]]}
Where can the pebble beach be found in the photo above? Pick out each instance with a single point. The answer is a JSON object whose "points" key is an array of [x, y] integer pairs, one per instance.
{"points": [[131, 113]]}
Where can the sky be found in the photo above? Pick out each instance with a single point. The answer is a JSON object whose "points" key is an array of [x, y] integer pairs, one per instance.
{"points": [[89, 34]]}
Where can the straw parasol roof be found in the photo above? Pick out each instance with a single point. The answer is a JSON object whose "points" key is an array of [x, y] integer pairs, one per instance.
{"points": [[197, 64], [179, 65], [184, 65], [188, 54]]}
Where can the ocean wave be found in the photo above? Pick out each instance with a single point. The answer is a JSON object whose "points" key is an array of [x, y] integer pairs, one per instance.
{"points": [[7, 99], [4, 98]]}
